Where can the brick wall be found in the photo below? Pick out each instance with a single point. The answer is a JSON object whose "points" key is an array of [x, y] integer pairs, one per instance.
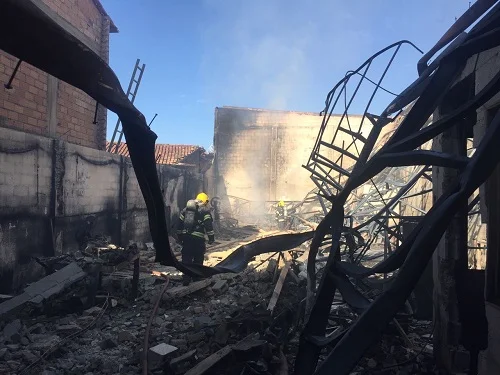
{"points": [[27, 105], [24, 107], [51, 190]]}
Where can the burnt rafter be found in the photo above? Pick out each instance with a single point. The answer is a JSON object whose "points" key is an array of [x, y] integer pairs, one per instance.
{"points": [[412, 256]]}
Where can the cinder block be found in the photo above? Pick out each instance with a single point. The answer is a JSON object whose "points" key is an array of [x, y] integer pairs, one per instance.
{"points": [[220, 286], [157, 355]]}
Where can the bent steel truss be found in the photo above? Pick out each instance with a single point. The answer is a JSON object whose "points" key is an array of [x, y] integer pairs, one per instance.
{"points": [[403, 148]]}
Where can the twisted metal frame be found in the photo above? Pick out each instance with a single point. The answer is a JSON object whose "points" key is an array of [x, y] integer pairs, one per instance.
{"points": [[401, 150]]}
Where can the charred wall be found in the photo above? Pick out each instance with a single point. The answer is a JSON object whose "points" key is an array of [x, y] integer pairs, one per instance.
{"points": [[53, 194], [259, 153], [487, 64]]}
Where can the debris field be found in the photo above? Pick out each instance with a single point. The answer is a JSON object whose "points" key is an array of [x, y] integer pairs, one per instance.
{"points": [[245, 323]]}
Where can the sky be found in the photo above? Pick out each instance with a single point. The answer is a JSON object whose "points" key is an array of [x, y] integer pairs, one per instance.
{"points": [[274, 54]]}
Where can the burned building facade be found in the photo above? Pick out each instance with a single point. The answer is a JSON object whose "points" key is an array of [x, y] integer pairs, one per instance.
{"points": [[260, 155], [58, 185], [448, 263]]}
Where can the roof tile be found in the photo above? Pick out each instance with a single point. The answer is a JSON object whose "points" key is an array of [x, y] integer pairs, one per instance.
{"points": [[164, 154]]}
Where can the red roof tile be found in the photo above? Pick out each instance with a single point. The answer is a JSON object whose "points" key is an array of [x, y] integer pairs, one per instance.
{"points": [[165, 154]]}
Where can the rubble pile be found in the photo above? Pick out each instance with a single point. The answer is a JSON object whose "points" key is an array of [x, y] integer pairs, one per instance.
{"points": [[225, 316], [246, 323]]}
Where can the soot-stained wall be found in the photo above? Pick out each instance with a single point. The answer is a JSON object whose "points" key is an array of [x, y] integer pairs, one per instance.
{"points": [[259, 153], [52, 192]]}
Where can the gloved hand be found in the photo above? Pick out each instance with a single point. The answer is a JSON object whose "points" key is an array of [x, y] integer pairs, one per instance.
{"points": [[211, 240]]}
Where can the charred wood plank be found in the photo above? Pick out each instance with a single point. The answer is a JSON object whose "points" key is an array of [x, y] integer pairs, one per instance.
{"points": [[281, 280]]}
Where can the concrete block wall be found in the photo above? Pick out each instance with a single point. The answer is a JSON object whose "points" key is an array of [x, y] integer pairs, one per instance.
{"points": [[25, 179], [43, 105], [134, 206], [52, 193], [26, 172]]}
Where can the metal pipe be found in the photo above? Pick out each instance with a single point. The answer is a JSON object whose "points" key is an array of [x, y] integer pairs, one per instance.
{"points": [[8, 85]]}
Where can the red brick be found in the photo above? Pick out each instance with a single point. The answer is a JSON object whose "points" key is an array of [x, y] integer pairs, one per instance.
{"points": [[9, 106], [32, 121], [26, 105], [33, 90], [23, 118]]}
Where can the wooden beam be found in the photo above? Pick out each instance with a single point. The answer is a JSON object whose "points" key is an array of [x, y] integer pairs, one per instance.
{"points": [[281, 280], [210, 362], [91, 44]]}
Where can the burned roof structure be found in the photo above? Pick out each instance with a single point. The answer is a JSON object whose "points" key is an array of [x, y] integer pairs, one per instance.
{"points": [[32, 36], [402, 148]]}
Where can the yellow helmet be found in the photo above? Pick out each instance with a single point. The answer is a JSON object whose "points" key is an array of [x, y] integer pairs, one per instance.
{"points": [[281, 204], [203, 198]]}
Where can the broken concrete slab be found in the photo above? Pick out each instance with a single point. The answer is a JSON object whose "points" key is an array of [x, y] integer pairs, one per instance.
{"points": [[43, 289], [13, 305], [12, 328], [57, 281], [182, 291]]}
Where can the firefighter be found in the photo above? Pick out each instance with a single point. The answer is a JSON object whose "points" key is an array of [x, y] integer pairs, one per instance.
{"points": [[194, 222], [281, 215]]}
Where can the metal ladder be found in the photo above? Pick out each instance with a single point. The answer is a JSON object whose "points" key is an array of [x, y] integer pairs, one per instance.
{"points": [[133, 86]]}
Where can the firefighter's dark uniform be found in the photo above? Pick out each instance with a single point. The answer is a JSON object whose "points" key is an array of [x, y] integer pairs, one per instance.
{"points": [[281, 217], [193, 237]]}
